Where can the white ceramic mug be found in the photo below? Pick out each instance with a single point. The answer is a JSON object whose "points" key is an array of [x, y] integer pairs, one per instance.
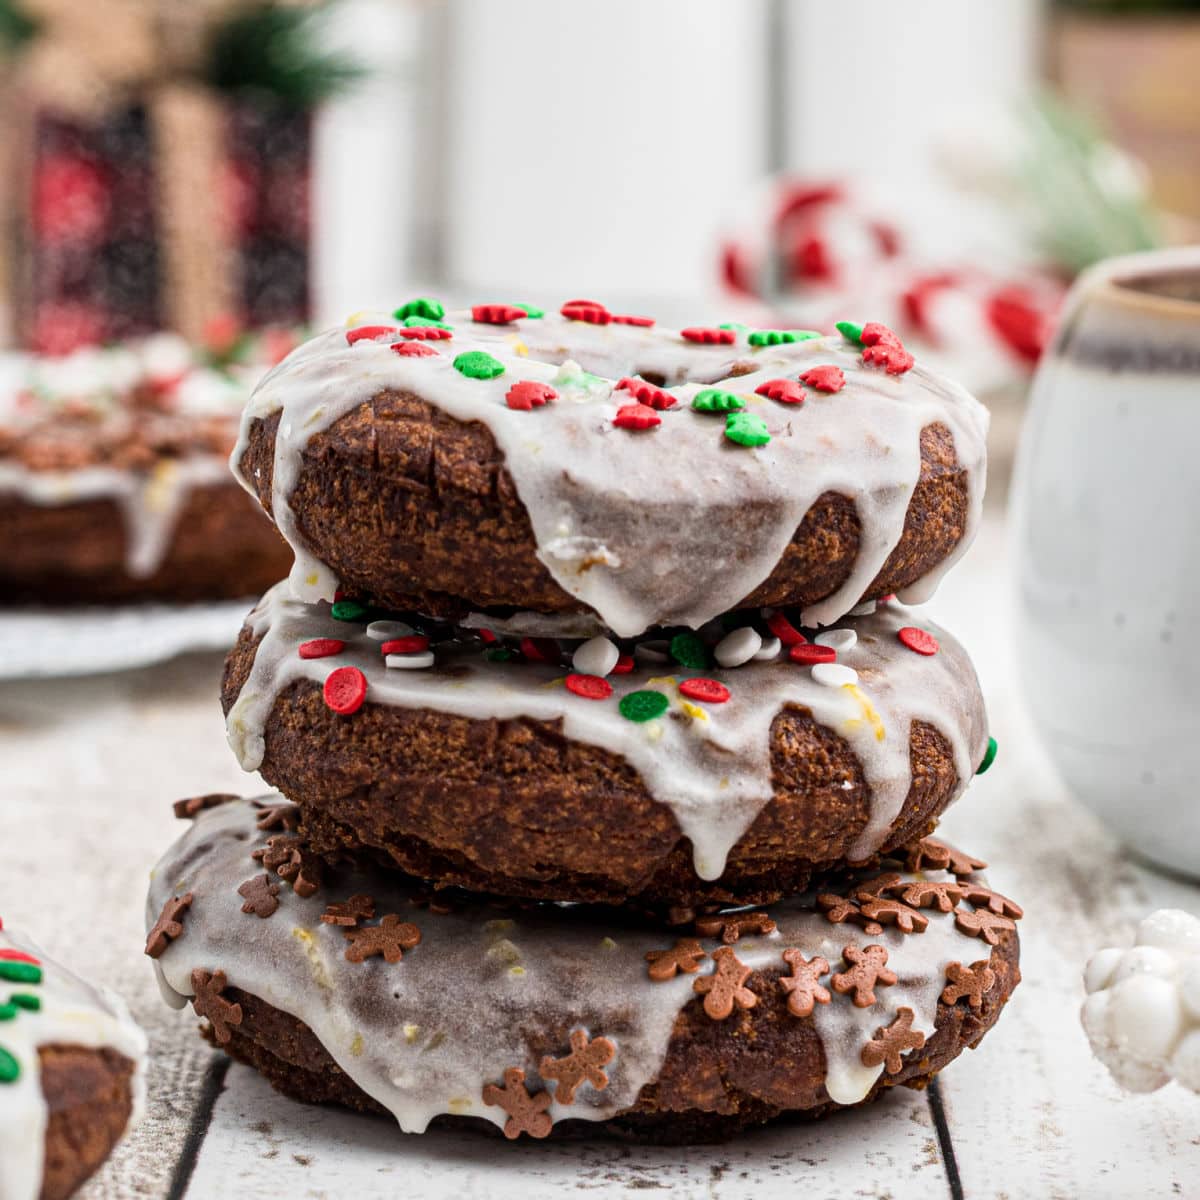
{"points": [[1106, 521]]}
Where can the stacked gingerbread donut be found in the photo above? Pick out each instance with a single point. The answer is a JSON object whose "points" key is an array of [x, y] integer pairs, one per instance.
{"points": [[609, 756]]}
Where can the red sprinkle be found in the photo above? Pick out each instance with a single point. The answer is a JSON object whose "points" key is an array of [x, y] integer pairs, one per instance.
{"points": [[591, 311], [786, 391], [413, 644], [487, 637], [368, 333], [529, 394], [646, 393], [884, 349], [918, 640], [824, 378], [709, 337], [784, 630], [590, 687], [321, 648], [497, 314], [345, 690], [545, 650], [425, 333], [19, 956], [708, 690], [626, 319], [624, 665], [808, 654], [636, 416], [414, 350]]}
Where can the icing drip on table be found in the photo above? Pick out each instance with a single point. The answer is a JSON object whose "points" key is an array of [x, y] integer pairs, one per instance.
{"points": [[71, 1013], [709, 763], [488, 989], [600, 498]]}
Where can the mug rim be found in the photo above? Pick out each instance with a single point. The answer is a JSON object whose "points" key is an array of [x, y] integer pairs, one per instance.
{"points": [[1112, 278]]}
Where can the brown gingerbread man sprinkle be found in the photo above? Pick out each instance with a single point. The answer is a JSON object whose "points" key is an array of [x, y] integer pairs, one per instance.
{"points": [[208, 1002], [970, 982], [868, 967], [922, 894], [803, 985], [284, 855], [526, 1113], [391, 937], [931, 855], [683, 957], [584, 1062], [169, 925], [840, 910], [277, 816], [872, 889], [982, 923], [730, 926], [895, 912], [983, 897], [891, 1041], [187, 810], [260, 896], [349, 912], [725, 987]]}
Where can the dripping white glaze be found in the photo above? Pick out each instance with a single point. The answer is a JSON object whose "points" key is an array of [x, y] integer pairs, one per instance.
{"points": [[423, 1035], [709, 763], [73, 1013], [602, 537]]}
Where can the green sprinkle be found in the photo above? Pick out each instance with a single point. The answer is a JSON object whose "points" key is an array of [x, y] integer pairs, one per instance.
{"points": [[348, 610], [689, 651], [27, 1001], [534, 314], [715, 400], [20, 972], [780, 337], [10, 1069], [501, 655], [8, 1011], [478, 364], [736, 326], [643, 706], [425, 323], [989, 756], [850, 331], [747, 429], [422, 306]]}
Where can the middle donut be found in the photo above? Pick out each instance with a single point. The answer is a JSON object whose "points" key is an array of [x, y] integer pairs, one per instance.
{"points": [[478, 757]]}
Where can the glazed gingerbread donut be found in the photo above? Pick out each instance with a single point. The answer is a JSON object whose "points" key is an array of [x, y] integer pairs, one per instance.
{"points": [[576, 463], [71, 1063], [606, 770], [352, 987]]}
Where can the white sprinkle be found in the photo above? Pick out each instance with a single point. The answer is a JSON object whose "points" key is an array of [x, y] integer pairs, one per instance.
{"points": [[410, 662], [385, 631], [597, 656], [863, 610], [770, 650], [834, 674], [839, 639], [738, 647], [652, 652]]}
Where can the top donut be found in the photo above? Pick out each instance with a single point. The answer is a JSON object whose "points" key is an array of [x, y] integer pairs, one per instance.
{"points": [[592, 462]]}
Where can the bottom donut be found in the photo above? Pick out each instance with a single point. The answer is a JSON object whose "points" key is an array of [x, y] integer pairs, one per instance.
{"points": [[353, 986]]}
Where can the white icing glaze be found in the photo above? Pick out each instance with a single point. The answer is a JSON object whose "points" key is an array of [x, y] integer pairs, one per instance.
{"points": [[73, 1013], [1142, 1014], [570, 464], [709, 763], [422, 1036]]}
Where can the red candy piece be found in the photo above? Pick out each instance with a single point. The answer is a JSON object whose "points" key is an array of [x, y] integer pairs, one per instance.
{"points": [[590, 687], [345, 690], [624, 665], [824, 379], [708, 337], [636, 416], [708, 690], [545, 650], [321, 648], [405, 645], [529, 394], [884, 349], [918, 640], [786, 391], [425, 333], [368, 333], [414, 350], [591, 311], [809, 654], [784, 630], [487, 637], [626, 319], [646, 393], [19, 956], [497, 314]]}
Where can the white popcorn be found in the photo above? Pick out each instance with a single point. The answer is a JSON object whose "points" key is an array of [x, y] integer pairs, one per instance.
{"points": [[1142, 1013]]}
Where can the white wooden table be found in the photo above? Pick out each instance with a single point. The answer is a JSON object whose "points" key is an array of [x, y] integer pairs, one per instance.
{"points": [[89, 770]]}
